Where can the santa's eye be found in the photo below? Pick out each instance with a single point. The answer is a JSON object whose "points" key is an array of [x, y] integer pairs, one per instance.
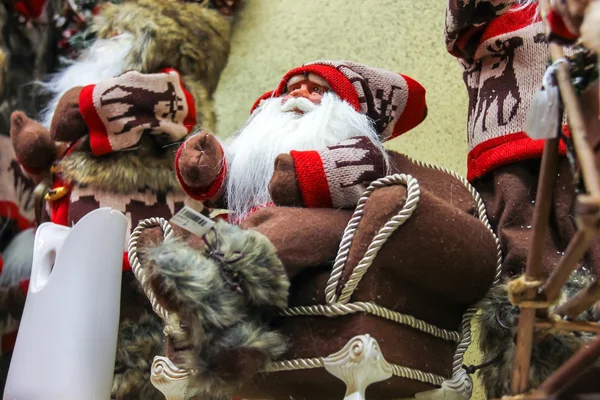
{"points": [[316, 89]]}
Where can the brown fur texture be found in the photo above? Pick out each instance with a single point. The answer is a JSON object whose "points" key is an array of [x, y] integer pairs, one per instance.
{"points": [[29, 52], [150, 166], [223, 295], [137, 344], [499, 320], [168, 33]]}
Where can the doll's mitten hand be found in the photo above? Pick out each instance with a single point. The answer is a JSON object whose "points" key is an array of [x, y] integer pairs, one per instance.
{"points": [[67, 124], [283, 187], [200, 160]]}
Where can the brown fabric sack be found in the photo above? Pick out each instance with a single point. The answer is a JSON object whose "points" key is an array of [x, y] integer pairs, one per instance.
{"points": [[439, 262]]}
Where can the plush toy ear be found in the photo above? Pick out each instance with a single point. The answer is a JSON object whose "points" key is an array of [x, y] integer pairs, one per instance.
{"points": [[68, 124]]}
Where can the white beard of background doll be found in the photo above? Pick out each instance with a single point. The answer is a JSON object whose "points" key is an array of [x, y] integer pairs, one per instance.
{"points": [[104, 59], [278, 127]]}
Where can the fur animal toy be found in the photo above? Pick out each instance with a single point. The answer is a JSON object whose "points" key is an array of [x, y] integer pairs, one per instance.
{"points": [[291, 177], [229, 290], [107, 136]]}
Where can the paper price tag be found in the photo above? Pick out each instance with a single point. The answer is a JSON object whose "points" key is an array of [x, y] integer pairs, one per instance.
{"points": [[191, 220]]}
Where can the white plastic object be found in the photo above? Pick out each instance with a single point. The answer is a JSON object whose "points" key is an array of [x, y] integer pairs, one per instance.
{"points": [[66, 345], [359, 364]]}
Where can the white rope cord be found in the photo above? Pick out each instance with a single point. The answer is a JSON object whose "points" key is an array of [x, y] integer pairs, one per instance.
{"points": [[338, 309], [415, 374], [412, 198], [296, 364], [390, 226], [136, 266], [319, 362], [465, 341]]}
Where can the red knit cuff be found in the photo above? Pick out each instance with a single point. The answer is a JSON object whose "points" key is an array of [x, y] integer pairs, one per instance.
{"points": [[201, 194], [98, 138], [312, 179], [504, 150]]}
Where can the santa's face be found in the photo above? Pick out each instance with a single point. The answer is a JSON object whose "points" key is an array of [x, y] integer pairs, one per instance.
{"points": [[299, 121], [310, 87]]}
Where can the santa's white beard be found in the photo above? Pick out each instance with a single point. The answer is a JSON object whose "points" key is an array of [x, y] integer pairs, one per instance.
{"points": [[104, 59], [272, 131]]}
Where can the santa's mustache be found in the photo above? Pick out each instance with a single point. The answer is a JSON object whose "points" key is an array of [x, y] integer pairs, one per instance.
{"points": [[298, 103]]}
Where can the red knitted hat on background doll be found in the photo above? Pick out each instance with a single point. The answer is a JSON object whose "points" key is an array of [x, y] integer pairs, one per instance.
{"points": [[394, 102]]}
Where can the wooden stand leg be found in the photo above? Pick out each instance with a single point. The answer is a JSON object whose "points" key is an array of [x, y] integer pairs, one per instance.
{"points": [[534, 258]]}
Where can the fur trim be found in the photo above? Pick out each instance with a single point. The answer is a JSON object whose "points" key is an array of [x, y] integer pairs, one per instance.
{"points": [[498, 327], [138, 343], [149, 166], [224, 296]]}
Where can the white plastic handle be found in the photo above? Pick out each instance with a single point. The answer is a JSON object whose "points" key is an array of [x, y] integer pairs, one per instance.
{"points": [[49, 239]]}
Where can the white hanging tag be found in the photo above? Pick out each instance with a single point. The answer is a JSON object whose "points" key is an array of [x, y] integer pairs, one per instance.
{"points": [[543, 117], [191, 220]]}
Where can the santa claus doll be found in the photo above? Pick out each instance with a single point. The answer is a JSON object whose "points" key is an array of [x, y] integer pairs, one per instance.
{"points": [[289, 180]]}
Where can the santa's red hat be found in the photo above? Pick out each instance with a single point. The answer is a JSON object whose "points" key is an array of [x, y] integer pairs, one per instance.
{"points": [[395, 102]]}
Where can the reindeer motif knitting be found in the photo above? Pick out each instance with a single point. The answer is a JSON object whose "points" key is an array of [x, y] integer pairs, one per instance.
{"points": [[502, 86]]}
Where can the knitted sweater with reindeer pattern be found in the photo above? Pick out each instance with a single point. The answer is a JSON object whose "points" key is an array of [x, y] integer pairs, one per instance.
{"points": [[503, 52]]}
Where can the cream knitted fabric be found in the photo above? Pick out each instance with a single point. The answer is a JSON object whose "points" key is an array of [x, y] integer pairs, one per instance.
{"points": [[503, 51]]}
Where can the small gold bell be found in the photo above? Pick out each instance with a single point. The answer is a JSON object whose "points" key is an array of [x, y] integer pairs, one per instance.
{"points": [[56, 193]]}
